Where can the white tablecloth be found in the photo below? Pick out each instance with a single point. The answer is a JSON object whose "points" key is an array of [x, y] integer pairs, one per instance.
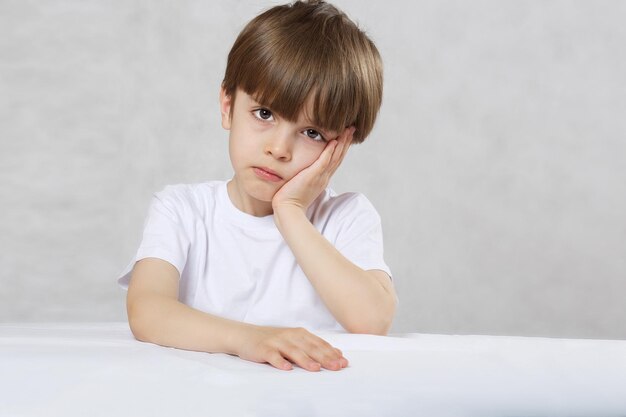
{"points": [[99, 369]]}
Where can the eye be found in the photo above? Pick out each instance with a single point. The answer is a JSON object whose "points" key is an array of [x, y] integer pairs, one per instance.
{"points": [[315, 135], [262, 114]]}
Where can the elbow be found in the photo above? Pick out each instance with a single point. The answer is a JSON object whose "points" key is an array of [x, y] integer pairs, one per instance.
{"points": [[377, 323], [138, 320], [137, 330], [373, 328]]}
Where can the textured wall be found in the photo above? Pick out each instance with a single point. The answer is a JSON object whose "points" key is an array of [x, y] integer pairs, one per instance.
{"points": [[497, 163]]}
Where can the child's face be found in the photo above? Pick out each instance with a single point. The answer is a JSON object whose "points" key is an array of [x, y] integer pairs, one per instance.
{"points": [[266, 151]]}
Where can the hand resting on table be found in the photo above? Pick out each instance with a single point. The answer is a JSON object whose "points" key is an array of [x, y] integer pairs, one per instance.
{"points": [[155, 315]]}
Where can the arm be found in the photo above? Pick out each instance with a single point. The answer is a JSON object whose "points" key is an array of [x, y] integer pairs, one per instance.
{"points": [[155, 315], [361, 301]]}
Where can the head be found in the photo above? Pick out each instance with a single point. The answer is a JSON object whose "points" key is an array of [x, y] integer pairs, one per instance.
{"points": [[308, 57], [297, 76]]}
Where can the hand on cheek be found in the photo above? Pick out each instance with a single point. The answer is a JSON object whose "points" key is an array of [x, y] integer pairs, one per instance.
{"points": [[307, 185]]}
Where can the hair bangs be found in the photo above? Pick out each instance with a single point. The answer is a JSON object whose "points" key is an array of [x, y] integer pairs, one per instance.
{"points": [[309, 59], [309, 79]]}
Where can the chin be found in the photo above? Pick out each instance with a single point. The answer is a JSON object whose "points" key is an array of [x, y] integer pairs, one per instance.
{"points": [[264, 192]]}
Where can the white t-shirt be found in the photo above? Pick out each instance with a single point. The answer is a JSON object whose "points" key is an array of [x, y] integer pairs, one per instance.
{"points": [[238, 266]]}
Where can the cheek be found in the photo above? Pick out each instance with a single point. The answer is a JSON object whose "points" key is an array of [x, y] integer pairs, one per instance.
{"points": [[237, 149], [308, 154], [241, 140]]}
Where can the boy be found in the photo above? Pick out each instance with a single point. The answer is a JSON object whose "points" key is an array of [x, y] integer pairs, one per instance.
{"points": [[242, 267]]}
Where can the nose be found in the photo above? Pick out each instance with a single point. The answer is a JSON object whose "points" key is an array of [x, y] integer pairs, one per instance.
{"points": [[278, 146]]}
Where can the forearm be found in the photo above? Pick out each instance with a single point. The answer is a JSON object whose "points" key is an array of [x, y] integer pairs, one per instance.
{"points": [[355, 298], [168, 322]]}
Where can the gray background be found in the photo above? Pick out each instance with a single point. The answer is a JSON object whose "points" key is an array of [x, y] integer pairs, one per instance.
{"points": [[497, 163]]}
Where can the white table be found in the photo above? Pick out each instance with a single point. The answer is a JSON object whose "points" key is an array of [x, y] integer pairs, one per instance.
{"points": [[99, 369]]}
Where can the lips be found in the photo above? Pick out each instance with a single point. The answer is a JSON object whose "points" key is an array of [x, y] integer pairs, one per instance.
{"points": [[267, 174]]}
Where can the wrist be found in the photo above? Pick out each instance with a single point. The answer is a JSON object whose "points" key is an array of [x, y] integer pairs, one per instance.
{"points": [[239, 337], [287, 212]]}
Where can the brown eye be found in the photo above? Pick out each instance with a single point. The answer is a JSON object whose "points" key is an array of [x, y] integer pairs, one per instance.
{"points": [[313, 134], [263, 114]]}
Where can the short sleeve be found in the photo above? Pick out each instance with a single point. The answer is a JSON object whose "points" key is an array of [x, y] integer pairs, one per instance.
{"points": [[164, 232], [360, 234]]}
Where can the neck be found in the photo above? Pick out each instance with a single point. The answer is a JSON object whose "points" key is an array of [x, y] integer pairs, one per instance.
{"points": [[245, 203]]}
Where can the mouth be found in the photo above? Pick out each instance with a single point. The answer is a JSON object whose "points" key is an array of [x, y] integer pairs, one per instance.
{"points": [[267, 174]]}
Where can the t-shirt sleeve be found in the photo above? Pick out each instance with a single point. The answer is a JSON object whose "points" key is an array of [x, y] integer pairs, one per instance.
{"points": [[360, 234], [164, 232]]}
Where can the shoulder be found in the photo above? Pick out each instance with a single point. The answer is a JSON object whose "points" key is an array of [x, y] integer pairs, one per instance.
{"points": [[187, 198], [344, 205], [185, 192]]}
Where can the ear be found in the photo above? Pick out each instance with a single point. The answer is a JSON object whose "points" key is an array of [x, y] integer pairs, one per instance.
{"points": [[225, 108]]}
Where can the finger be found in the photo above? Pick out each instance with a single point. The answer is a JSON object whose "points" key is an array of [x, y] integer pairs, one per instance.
{"points": [[327, 356], [276, 360], [344, 362], [342, 148], [348, 134], [333, 364], [300, 358], [330, 351], [325, 158], [322, 352], [336, 158], [348, 141], [317, 169], [341, 145]]}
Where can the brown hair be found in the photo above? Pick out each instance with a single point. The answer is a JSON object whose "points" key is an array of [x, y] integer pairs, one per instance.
{"points": [[309, 50]]}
